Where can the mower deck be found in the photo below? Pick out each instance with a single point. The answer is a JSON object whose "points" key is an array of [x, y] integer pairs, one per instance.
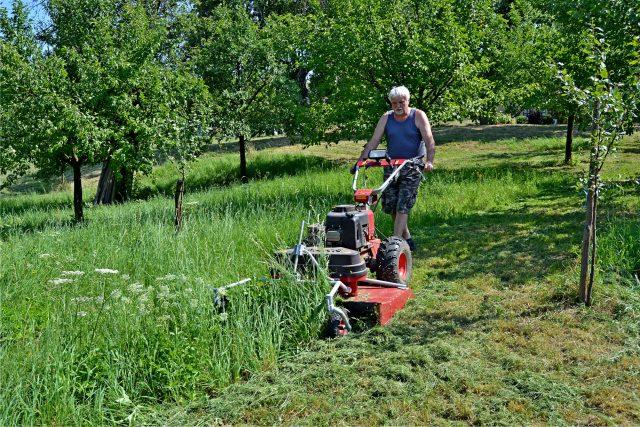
{"points": [[376, 302]]}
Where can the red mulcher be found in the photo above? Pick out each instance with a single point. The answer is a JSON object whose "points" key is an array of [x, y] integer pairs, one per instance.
{"points": [[348, 240]]}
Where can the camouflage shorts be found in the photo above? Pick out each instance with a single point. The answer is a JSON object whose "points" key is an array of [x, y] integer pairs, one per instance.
{"points": [[400, 195]]}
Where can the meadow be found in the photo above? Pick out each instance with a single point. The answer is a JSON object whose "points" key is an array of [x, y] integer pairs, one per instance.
{"points": [[112, 321]]}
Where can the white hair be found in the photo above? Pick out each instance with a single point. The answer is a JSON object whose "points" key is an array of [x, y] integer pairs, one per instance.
{"points": [[399, 91]]}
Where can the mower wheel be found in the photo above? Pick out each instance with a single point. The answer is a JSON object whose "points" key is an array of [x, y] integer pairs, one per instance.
{"points": [[335, 327], [394, 261]]}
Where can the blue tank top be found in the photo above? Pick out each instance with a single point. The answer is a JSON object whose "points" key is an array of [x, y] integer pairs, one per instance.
{"points": [[403, 138]]}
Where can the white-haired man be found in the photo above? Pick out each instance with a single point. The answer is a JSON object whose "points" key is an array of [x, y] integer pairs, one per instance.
{"points": [[408, 134]]}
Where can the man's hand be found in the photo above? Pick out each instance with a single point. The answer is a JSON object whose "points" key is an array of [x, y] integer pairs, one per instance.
{"points": [[428, 167]]}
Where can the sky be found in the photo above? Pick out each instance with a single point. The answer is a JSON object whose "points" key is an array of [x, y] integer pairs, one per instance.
{"points": [[33, 4]]}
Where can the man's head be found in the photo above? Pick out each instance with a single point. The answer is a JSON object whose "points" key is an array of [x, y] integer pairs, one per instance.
{"points": [[399, 97]]}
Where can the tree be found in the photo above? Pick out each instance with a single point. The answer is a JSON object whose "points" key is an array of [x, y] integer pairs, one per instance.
{"points": [[360, 49], [619, 23], [100, 94], [245, 69], [18, 48], [611, 110]]}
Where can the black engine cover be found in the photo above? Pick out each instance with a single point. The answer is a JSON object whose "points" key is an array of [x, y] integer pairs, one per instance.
{"points": [[346, 226]]}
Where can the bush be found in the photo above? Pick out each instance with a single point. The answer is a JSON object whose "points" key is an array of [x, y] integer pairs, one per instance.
{"points": [[504, 119], [521, 119]]}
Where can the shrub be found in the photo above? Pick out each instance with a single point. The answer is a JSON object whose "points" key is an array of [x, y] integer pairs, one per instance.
{"points": [[521, 119], [504, 118]]}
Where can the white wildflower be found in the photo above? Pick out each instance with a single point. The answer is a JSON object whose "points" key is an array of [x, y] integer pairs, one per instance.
{"points": [[125, 277], [125, 300], [191, 203], [116, 294], [136, 288], [164, 318], [81, 313], [43, 256], [188, 290], [81, 299], [124, 400], [106, 271], [60, 281], [223, 317], [193, 303], [183, 278], [143, 298], [72, 273], [99, 299], [168, 277]]}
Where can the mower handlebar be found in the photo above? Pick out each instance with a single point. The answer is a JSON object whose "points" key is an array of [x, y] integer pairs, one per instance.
{"points": [[397, 164], [380, 163]]}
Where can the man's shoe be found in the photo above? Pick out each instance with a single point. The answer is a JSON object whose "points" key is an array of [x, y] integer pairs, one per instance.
{"points": [[412, 244]]}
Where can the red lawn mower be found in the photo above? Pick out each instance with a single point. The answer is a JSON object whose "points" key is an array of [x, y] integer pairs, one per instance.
{"points": [[348, 240]]}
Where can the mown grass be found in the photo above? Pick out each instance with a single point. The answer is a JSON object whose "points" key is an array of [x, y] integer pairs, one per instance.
{"points": [[494, 336]]}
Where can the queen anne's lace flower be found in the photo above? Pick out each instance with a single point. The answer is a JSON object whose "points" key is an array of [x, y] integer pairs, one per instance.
{"points": [[72, 273], [106, 271], [60, 281]]}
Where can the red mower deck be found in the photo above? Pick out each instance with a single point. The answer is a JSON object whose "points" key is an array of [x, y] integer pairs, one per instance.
{"points": [[379, 303]]}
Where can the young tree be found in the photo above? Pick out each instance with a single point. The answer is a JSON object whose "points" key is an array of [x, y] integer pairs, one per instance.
{"points": [[611, 110]]}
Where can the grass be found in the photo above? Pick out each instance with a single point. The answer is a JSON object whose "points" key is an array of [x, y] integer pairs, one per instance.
{"points": [[494, 336]]}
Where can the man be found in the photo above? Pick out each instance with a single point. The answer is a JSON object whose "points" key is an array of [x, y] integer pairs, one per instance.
{"points": [[407, 131]]}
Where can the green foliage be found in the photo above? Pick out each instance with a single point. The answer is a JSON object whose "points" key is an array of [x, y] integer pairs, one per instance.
{"points": [[244, 66], [360, 49], [521, 120]]}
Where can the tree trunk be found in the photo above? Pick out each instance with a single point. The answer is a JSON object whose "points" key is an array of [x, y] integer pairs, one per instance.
{"points": [[178, 203], [123, 185], [77, 193], [586, 244], [243, 159], [106, 186], [594, 246], [113, 187], [568, 147]]}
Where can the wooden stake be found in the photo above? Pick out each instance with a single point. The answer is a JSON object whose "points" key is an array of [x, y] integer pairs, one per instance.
{"points": [[178, 202]]}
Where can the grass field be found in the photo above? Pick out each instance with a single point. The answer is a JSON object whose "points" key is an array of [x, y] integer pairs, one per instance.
{"points": [[494, 336]]}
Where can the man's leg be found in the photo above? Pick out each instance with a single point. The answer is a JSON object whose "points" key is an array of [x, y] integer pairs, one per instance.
{"points": [[400, 225]]}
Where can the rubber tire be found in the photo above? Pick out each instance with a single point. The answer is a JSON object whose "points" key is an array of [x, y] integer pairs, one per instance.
{"points": [[334, 327], [388, 258]]}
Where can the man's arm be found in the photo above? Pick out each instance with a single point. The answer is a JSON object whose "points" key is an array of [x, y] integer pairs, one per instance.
{"points": [[375, 139], [422, 122]]}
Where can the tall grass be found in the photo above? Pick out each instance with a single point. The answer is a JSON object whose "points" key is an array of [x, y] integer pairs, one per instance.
{"points": [[78, 345], [619, 246]]}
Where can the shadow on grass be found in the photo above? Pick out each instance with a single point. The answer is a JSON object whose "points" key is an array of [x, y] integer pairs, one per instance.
{"points": [[224, 174], [257, 144], [492, 133]]}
